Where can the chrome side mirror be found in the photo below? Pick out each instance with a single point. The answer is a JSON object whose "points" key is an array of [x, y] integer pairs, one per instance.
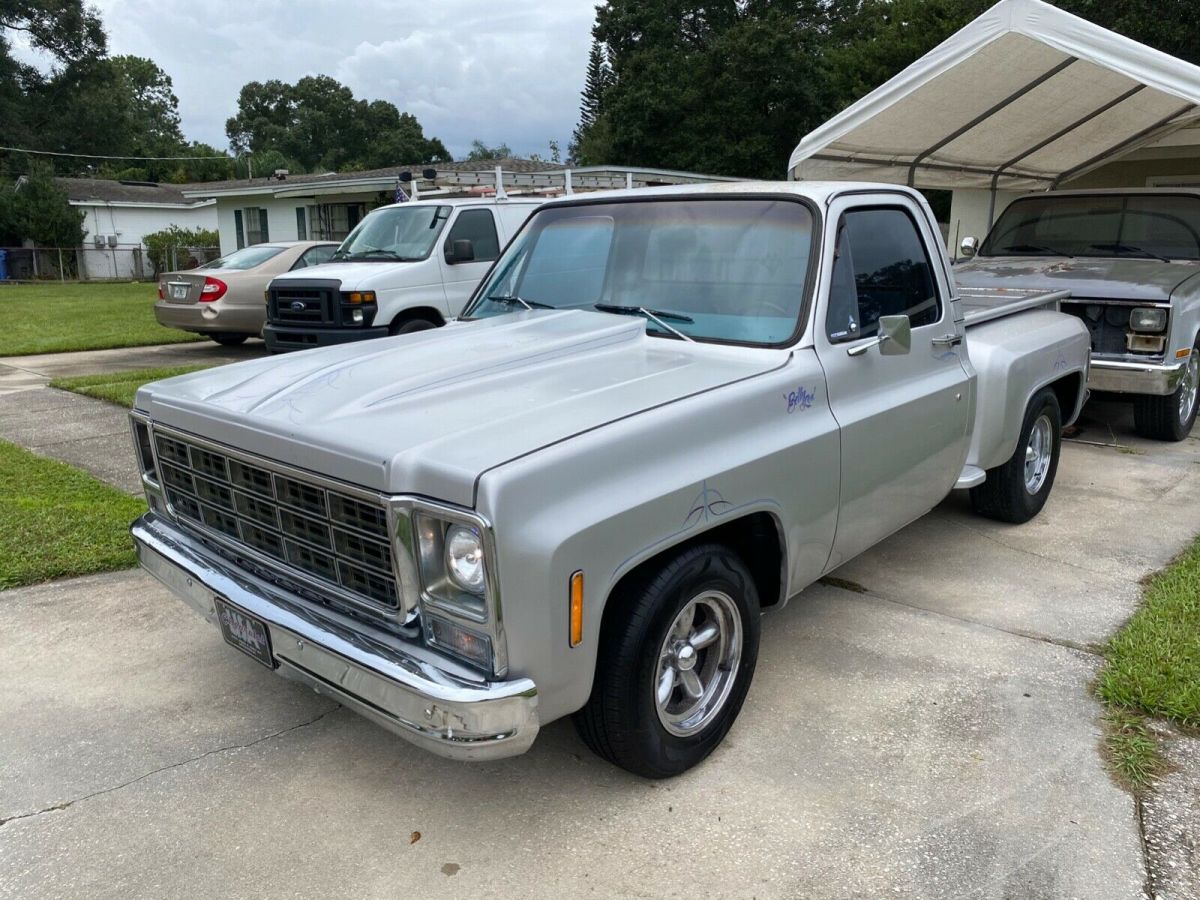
{"points": [[969, 247], [894, 338]]}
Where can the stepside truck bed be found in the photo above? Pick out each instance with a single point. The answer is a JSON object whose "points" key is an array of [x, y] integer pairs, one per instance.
{"points": [[981, 305]]}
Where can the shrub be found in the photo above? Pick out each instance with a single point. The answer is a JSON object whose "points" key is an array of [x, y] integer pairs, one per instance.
{"points": [[160, 244]]}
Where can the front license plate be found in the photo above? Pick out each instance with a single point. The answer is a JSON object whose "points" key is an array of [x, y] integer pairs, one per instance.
{"points": [[179, 292], [245, 632]]}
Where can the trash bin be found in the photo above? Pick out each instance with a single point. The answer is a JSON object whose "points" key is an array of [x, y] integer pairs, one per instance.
{"points": [[3, 265]]}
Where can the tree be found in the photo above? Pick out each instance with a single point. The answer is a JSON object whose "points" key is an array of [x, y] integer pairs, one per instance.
{"points": [[152, 108], [66, 29], [36, 209], [481, 152], [597, 81], [317, 124], [724, 88]]}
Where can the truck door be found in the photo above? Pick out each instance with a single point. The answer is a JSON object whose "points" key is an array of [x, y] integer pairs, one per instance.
{"points": [[904, 419], [477, 225]]}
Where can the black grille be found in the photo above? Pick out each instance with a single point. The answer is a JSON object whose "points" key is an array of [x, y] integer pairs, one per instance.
{"points": [[330, 536], [1107, 324], [302, 305]]}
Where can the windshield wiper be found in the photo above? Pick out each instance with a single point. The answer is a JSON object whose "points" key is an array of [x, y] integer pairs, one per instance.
{"points": [[1129, 248], [654, 315], [1034, 248], [514, 300]]}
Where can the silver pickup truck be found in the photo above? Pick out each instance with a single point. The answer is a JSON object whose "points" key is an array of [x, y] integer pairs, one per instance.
{"points": [[664, 412], [1131, 262]]}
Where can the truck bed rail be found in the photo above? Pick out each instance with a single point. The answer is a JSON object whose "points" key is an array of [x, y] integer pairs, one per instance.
{"points": [[988, 304]]}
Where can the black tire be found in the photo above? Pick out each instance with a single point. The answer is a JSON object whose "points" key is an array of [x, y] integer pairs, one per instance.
{"points": [[1158, 418], [410, 326], [229, 340], [1005, 495], [621, 721]]}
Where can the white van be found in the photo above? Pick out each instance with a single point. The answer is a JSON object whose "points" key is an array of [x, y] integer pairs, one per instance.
{"points": [[405, 267]]}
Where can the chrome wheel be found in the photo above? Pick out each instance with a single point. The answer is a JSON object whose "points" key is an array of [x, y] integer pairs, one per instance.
{"points": [[698, 663], [1038, 453], [1188, 388]]}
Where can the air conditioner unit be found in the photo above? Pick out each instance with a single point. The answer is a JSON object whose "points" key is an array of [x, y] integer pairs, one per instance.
{"points": [[100, 242], [112, 240]]}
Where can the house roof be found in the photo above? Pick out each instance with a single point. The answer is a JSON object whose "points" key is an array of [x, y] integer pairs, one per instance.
{"points": [[100, 190], [369, 178], [1026, 96]]}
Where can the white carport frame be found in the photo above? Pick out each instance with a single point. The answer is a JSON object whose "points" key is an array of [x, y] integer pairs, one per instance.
{"points": [[1025, 97]]}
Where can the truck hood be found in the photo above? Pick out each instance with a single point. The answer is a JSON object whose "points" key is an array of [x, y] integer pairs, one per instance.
{"points": [[1141, 280], [364, 276], [428, 413]]}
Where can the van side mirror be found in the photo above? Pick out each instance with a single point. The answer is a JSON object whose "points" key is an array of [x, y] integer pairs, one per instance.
{"points": [[969, 247], [460, 251]]}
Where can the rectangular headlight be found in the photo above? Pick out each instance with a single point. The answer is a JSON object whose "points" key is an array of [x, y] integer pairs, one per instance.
{"points": [[1147, 318]]}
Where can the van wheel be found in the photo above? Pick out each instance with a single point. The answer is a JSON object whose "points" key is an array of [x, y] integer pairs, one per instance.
{"points": [[226, 339], [676, 657], [1170, 418], [1017, 490], [410, 326]]}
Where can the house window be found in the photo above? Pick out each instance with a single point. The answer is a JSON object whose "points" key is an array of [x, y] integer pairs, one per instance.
{"points": [[240, 228], [333, 221], [301, 224], [255, 219]]}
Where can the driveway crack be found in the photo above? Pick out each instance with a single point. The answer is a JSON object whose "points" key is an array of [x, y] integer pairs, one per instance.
{"points": [[995, 540], [67, 804], [1148, 887], [1012, 632]]}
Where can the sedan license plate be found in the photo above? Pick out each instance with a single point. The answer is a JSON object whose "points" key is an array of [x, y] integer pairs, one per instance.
{"points": [[245, 632], [179, 291]]}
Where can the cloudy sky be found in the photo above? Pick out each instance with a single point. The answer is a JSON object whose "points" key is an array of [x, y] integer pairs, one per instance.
{"points": [[506, 71]]}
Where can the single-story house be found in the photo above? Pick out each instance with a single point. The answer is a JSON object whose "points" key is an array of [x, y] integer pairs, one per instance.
{"points": [[1027, 97], [119, 214], [327, 206]]}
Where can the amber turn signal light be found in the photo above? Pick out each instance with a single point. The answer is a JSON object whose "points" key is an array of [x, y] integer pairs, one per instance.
{"points": [[576, 609]]}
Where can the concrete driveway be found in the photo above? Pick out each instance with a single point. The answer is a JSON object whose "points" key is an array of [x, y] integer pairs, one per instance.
{"points": [[920, 726]]}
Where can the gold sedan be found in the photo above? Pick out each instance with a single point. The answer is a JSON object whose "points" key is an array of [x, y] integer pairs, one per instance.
{"points": [[223, 299]]}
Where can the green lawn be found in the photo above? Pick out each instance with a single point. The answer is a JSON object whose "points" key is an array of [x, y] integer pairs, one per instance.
{"points": [[1153, 668], [118, 387], [57, 317], [57, 521]]}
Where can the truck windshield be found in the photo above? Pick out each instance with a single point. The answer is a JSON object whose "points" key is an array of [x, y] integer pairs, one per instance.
{"points": [[405, 233], [720, 270], [1137, 226]]}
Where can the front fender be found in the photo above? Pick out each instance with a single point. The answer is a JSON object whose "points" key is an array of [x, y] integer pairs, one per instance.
{"points": [[605, 501]]}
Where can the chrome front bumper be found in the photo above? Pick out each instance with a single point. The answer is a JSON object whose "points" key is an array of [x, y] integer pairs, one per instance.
{"points": [[1134, 378], [420, 696]]}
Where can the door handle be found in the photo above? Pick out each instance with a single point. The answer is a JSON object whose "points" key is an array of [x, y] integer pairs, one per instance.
{"points": [[947, 340]]}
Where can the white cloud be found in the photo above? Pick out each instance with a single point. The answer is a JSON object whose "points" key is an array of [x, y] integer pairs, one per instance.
{"points": [[465, 68]]}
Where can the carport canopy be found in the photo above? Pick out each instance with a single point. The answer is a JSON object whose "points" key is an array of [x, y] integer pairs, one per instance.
{"points": [[1025, 97]]}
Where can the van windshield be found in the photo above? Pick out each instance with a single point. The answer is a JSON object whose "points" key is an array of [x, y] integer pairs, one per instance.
{"points": [[405, 233], [1135, 226], [722, 270]]}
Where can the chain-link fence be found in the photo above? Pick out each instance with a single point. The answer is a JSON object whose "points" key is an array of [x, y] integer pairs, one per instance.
{"points": [[121, 262]]}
